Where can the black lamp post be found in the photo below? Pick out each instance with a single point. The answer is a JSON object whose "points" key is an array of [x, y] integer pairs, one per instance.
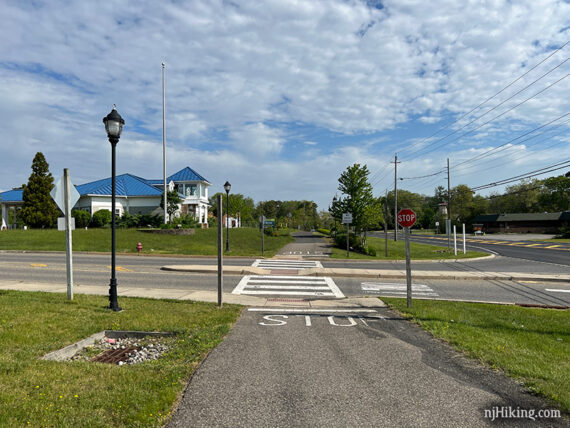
{"points": [[227, 187], [334, 210], [113, 125]]}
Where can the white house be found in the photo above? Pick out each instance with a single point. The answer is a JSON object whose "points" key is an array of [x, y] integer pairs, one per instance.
{"points": [[134, 195]]}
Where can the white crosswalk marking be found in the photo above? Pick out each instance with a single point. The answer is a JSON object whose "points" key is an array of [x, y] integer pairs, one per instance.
{"points": [[397, 289], [288, 286], [286, 264]]}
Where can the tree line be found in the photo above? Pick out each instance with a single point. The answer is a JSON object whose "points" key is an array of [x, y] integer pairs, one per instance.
{"points": [[356, 197]]}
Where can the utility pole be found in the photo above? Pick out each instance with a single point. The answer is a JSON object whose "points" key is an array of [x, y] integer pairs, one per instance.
{"points": [[395, 196], [448, 207], [164, 149]]}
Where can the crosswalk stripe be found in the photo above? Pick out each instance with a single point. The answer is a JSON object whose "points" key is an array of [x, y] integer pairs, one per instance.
{"points": [[290, 293], [398, 289], [288, 286], [286, 264]]}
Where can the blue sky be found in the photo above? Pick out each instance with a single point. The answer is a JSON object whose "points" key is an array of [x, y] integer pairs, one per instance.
{"points": [[280, 97]]}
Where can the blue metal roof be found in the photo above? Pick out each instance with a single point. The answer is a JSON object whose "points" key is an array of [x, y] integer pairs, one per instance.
{"points": [[127, 185], [186, 174], [11, 196]]}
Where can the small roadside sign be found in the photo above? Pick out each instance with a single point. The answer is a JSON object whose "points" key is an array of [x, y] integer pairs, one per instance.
{"points": [[61, 223], [269, 222], [58, 196], [346, 218]]}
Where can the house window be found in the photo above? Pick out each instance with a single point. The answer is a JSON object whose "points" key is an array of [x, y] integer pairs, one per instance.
{"points": [[202, 190], [190, 190]]}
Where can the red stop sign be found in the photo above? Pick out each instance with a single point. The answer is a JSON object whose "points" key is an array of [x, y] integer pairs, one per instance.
{"points": [[406, 217]]}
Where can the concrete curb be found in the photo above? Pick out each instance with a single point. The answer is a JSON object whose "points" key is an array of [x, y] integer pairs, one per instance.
{"points": [[374, 273]]}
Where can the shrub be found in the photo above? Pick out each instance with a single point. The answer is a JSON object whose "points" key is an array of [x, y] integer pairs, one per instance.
{"points": [[356, 243], [82, 218], [324, 231], [148, 220], [129, 220], [101, 218], [271, 231], [564, 232]]}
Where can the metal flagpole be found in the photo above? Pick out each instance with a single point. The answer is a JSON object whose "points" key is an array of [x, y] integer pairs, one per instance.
{"points": [[164, 148]]}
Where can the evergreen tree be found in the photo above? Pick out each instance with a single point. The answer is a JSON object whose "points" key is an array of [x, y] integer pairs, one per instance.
{"points": [[173, 200], [39, 209]]}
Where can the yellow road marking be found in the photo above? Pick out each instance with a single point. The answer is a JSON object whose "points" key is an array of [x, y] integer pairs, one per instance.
{"points": [[38, 265], [533, 245], [120, 268], [554, 246]]}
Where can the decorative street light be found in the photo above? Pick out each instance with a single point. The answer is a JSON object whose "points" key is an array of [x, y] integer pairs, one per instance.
{"points": [[114, 126], [227, 187], [334, 210]]}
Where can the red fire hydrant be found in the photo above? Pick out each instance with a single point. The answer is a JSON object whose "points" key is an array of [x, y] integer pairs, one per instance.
{"points": [[139, 248]]}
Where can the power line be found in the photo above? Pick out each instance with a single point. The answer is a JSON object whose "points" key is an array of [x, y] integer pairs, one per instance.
{"points": [[530, 174], [485, 154], [488, 99], [499, 115], [501, 147], [501, 103]]}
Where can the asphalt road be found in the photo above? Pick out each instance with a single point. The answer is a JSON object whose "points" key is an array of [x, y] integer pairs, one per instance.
{"points": [[516, 246], [133, 271], [330, 369]]}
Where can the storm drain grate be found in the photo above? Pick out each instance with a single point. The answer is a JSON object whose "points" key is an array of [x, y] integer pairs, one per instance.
{"points": [[114, 356], [276, 299]]}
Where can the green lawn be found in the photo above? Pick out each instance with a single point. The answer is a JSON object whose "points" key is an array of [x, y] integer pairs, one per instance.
{"points": [[243, 241], [397, 251], [34, 392], [529, 344]]}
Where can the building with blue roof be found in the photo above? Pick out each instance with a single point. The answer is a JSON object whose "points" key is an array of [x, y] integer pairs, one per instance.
{"points": [[134, 195]]}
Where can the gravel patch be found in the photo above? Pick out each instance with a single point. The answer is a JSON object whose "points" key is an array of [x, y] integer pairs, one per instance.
{"points": [[137, 350]]}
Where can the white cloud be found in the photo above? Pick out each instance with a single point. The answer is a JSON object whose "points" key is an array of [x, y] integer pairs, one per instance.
{"points": [[239, 78]]}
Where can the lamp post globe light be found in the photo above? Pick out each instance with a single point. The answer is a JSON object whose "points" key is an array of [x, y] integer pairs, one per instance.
{"points": [[114, 126], [227, 188]]}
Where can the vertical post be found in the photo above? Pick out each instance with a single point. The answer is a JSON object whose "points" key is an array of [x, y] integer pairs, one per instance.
{"points": [[448, 224], [220, 253], [395, 197], [68, 244], [262, 234], [164, 148], [408, 269], [464, 240], [347, 233], [113, 296], [454, 239], [386, 225], [227, 220]]}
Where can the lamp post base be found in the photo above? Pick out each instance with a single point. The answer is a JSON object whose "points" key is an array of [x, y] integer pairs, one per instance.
{"points": [[113, 297]]}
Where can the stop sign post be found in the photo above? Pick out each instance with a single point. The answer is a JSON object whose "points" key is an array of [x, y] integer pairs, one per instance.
{"points": [[406, 219]]}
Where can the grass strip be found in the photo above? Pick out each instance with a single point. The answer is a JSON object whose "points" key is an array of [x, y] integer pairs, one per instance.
{"points": [[531, 345], [34, 392], [243, 241], [397, 251]]}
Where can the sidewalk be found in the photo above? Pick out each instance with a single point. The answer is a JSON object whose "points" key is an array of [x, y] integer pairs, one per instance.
{"points": [[185, 294], [376, 273]]}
